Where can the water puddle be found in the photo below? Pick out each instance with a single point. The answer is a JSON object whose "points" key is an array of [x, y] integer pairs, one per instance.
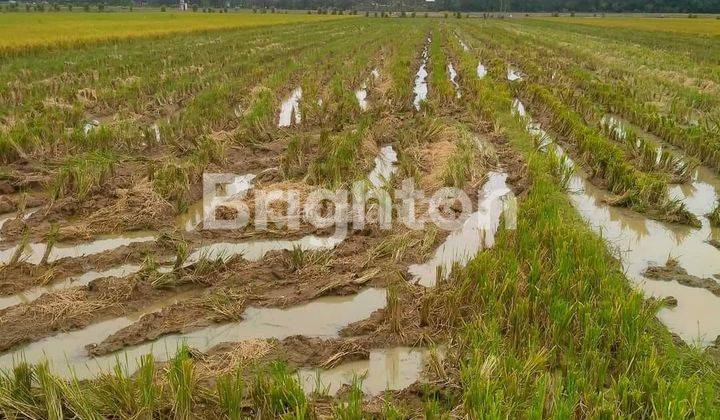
{"points": [[34, 293], [518, 109], [255, 250], [291, 107], [66, 351], [513, 75], [421, 86], [453, 80], [361, 96], [385, 167], [481, 71], [323, 317], [390, 369], [90, 126], [33, 253], [640, 242], [477, 233], [615, 125]]}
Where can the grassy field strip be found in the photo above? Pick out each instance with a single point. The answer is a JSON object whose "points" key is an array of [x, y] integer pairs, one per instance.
{"points": [[328, 93], [700, 26], [211, 113], [682, 94], [599, 359], [34, 126], [702, 49], [644, 192], [144, 54], [76, 117], [443, 92], [699, 141], [643, 150], [685, 92], [71, 29], [673, 64]]}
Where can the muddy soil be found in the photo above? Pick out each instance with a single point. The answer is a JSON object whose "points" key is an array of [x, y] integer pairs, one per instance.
{"points": [[23, 276], [672, 271], [274, 281]]}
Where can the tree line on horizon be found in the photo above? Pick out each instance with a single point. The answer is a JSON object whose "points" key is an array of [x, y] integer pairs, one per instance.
{"points": [[490, 6]]}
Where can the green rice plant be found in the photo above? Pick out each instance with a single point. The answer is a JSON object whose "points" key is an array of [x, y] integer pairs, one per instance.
{"points": [[148, 392], [561, 169], [50, 239], [300, 258], [116, 390], [391, 412], [462, 166], [182, 251], [432, 410], [351, 406], [17, 398], [51, 391], [79, 174], [336, 163], [20, 249], [650, 155], [172, 182], [714, 215], [294, 160], [278, 393], [393, 310], [79, 399], [182, 381], [230, 394], [443, 92]]}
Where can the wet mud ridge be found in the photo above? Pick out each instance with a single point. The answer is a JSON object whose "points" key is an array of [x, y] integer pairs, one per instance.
{"points": [[672, 271]]}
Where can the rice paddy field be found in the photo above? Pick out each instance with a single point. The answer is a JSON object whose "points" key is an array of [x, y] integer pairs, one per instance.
{"points": [[584, 285]]}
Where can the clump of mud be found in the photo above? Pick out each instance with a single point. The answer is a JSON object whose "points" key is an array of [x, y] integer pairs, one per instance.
{"points": [[672, 271]]}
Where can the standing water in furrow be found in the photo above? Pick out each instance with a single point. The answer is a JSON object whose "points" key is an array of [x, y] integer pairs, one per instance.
{"points": [[67, 353], [33, 253], [453, 79], [290, 107], [81, 280], [641, 243], [421, 86], [323, 317], [477, 232], [394, 368], [362, 93]]}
